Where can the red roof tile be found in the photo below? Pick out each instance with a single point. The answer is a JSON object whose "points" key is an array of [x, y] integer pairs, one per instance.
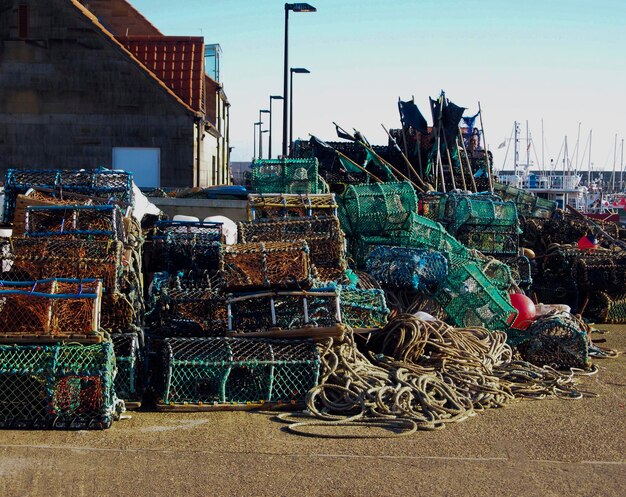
{"points": [[176, 60]]}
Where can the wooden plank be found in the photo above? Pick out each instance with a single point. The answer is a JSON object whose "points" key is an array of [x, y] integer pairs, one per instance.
{"points": [[252, 406], [311, 332], [24, 338]]}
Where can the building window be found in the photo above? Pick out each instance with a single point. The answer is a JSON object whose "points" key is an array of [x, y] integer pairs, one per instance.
{"points": [[22, 21]]}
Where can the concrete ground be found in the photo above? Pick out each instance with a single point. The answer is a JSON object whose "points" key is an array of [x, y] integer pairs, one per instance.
{"points": [[534, 448]]}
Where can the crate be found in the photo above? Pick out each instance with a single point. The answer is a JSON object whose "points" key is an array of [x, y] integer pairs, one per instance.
{"points": [[183, 245], [114, 185], [129, 361], [377, 208], [50, 309], [30, 259], [283, 310], [80, 221], [406, 268], [248, 266], [469, 298], [297, 176], [237, 372], [285, 205], [322, 234], [65, 386], [184, 306]]}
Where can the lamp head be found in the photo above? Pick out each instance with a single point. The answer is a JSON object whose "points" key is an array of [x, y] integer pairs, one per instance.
{"points": [[300, 70], [300, 7], [276, 97]]}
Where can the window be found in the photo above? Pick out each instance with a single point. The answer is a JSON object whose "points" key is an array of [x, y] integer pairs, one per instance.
{"points": [[22, 21]]}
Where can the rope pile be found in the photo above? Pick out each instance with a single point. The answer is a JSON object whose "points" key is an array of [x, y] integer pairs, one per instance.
{"points": [[422, 375]]}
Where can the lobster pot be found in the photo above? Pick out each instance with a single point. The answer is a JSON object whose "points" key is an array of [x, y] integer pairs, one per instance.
{"points": [[426, 233], [480, 210], [56, 309], [520, 270], [237, 371], [470, 299], [295, 176], [528, 205], [557, 341], [30, 259], [600, 272], [81, 221], [432, 205], [57, 386], [570, 230], [186, 307], [247, 266], [184, 245], [612, 308], [288, 205], [265, 311], [128, 358], [493, 240], [361, 308], [322, 234], [406, 268], [376, 208], [106, 184]]}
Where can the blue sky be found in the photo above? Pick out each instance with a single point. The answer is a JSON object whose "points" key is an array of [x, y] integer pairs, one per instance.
{"points": [[556, 60]]}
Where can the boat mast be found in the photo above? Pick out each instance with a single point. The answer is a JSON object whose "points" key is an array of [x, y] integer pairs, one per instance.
{"points": [[577, 147], [614, 161], [527, 147], [543, 157], [621, 165], [589, 163], [516, 148]]}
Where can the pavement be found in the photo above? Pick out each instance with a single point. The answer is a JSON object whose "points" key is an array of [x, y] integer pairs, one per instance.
{"points": [[531, 448]]}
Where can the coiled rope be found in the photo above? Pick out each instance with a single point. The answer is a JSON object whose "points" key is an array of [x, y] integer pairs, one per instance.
{"points": [[421, 375]]}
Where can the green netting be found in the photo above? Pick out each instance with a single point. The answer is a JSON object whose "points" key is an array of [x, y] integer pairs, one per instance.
{"points": [[470, 298], [528, 205], [57, 386], [558, 341], [376, 208], [286, 176], [127, 349], [363, 308], [479, 209], [238, 370]]}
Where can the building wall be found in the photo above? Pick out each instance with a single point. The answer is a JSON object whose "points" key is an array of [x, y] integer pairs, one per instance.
{"points": [[69, 94]]}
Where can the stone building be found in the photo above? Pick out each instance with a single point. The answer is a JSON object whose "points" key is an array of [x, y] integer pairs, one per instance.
{"points": [[86, 83]]}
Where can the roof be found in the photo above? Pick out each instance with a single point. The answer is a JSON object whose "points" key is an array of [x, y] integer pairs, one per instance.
{"points": [[177, 61], [120, 17], [89, 15]]}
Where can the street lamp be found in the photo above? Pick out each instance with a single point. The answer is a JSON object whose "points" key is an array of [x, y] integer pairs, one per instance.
{"points": [[262, 111], [272, 97], [297, 70], [295, 7], [254, 135]]}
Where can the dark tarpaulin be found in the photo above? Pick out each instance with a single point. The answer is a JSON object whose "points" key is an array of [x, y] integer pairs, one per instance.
{"points": [[410, 115], [342, 134], [450, 115], [469, 121]]}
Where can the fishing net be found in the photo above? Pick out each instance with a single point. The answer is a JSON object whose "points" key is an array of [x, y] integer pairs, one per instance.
{"points": [[406, 268], [57, 386], [81, 221], [470, 299], [115, 185], [286, 176], [30, 259], [283, 310], [183, 245], [183, 305], [128, 384], [557, 340], [247, 266], [362, 308], [377, 208], [280, 206], [237, 371], [322, 234], [528, 205]]}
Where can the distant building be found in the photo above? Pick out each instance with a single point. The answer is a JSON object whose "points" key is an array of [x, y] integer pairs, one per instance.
{"points": [[92, 83]]}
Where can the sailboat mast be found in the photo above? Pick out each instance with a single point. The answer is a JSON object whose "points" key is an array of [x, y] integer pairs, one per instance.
{"points": [[621, 165], [577, 147], [527, 147], [614, 161], [589, 163], [516, 148], [543, 157]]}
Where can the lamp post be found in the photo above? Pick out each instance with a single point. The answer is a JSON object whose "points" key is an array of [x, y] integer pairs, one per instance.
{"points": [[295, 7], [254, 135], [272, 97], [297, 70], [262, 111]]}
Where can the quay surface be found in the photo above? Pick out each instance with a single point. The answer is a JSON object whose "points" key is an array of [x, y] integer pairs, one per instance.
{"points": [[548, 448]]}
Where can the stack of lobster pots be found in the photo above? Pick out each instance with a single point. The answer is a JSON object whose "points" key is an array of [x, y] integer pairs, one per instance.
{"points": [[70, 299], [233, 325]]}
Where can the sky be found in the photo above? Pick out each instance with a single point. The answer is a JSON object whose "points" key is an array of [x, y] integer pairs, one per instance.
{"points": [[560, 62]]}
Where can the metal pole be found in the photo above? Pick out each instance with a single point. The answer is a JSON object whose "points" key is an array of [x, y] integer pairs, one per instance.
{"points": [[260, 137], [254, 135], [269, 151], [290, 111], [486, 151], [285, 68]]}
